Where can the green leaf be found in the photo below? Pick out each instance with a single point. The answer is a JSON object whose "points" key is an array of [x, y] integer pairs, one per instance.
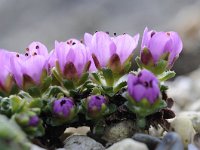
{"points": [[68, 84], [108, 75], [112, 108], [36, 103], [46, 83], [108, 90], [54, 91], [120, 86], [57, 75], [34, 91], [163, 88], [83, 78], [166, 75], [17, 104], [96, 91], [138, 62], [96, 77]]}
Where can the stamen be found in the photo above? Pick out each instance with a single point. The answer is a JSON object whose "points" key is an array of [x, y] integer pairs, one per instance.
{"points": [[27, 49], [37, 47], [168, 33], [62, 102], [34, 53], [152, 34], [73, 43], [26, 54], [107, 32], [115, 34], [17, 55]]}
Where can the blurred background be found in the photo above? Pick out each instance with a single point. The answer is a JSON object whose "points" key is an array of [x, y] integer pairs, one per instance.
{"points": [[24, 21]]}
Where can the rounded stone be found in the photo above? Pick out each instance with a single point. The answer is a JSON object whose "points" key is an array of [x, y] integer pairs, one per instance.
{"points": [[149, 140], [183, 126], [128, 144], [171, 141], [119, 131], [81, 142]]}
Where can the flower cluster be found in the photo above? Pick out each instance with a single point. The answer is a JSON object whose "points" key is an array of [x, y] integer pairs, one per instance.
{"points": [[87, 82]]}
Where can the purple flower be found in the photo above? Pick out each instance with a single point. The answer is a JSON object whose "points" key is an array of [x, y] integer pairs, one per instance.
{"points": [[143, 86], [96, 104], [34, 120], [37, 48], [160, 45], [63, 107], [28, 69], [103, 47], [73, 58], [5, 67]]}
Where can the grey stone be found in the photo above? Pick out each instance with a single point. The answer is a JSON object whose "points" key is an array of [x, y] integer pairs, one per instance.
{"points": [[149, 140], [171, 141], [128, 144], [119, 131], [81, 142], [197, 140], [183, 126]]}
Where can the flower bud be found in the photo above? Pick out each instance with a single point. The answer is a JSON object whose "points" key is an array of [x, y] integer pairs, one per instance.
{"points": [[64, 108], [157, 46], [34, 121], [143, 86], [96, 105], [27, 119]]}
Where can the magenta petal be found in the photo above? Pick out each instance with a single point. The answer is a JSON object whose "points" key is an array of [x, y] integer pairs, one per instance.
{"points": [[125, 45], [138, 92], [103, 47], [147, 35], [16, 67], [88, 39], [177, 46], [61, 50], [157, 45], [34, 66], [152, 93], [37, 48]]}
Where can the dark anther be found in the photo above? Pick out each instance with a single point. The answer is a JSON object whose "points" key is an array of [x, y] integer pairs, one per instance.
{"points": [[97, 97], [37, 47], [27, 49], [115, 34], [17, 55], [150, 84], [96, 31], [140, 74], [26, 54], [62, 102], [124, 33], [34, 53], [152, 34], [107, 32], [73, 43], [146, 84], [168, 33]]}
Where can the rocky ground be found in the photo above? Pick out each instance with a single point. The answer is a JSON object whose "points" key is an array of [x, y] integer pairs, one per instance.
{"points": [[25, 21]]}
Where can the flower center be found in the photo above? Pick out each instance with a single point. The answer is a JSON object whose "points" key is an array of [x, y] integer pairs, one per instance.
{"points": [[62, 102]]}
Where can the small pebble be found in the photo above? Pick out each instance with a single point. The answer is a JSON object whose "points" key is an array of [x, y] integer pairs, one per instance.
{"points": [[149, 140], [171, 141], [81, 142], [183, 126], [128, 144]]}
